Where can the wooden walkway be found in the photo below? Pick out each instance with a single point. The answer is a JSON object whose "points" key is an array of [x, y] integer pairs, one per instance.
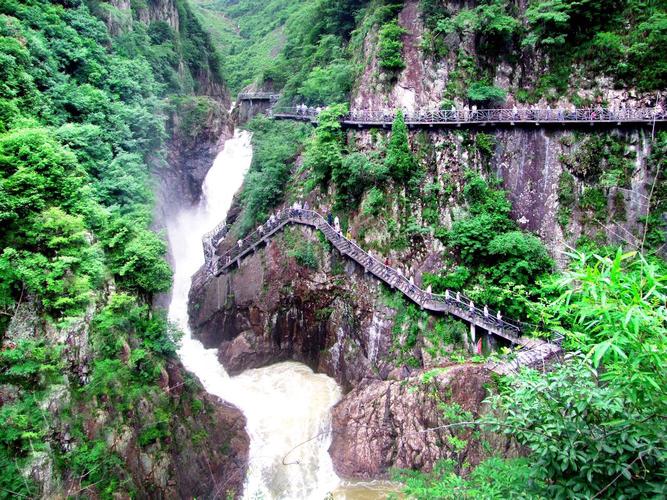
{"points": [[451, 303], [484, 117]]}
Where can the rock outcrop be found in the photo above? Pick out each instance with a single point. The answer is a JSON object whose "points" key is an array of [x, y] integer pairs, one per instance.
{"points": [[401, 423], [273, 309]]}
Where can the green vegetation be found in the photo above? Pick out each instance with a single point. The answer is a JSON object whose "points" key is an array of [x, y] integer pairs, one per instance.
{"points": [[441, 334], [493, 478], [304, 252], [299, 47], [496, 263], [391, 47], [33, 367], [623, 39], [82, 122], [275, 147], [591, 428], [486, 95], [324, 155], [399, 161]]}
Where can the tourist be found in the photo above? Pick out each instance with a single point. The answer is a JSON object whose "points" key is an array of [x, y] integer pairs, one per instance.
{"points": [[337, 224]]}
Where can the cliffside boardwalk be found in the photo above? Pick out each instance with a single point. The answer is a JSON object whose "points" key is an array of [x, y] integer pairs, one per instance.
{"points": [[484, 117], [455, 304], [470, 116]]}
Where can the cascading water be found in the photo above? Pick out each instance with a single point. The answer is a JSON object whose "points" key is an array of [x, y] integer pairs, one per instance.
{"points": [[286, 405]]}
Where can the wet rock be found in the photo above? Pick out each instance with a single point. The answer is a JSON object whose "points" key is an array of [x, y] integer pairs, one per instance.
{"points": [[272, 309], [382, 424]]}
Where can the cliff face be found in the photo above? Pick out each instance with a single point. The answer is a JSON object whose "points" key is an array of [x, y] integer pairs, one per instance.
{"points": [[274, 309], [535, 166], [158, 440]]}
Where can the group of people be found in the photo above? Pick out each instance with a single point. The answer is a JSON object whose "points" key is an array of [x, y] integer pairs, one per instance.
{"points": [[471, 113], [304, 110]]}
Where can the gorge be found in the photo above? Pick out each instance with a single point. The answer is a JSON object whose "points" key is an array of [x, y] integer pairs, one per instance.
{"points": [[342, 249]]}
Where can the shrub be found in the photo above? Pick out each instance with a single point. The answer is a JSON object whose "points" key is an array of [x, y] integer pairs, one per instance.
{"points": [[518, 257], [487, 95], [391, 47], [374, 202], [328, 85], [399, 161], [325, 153]]}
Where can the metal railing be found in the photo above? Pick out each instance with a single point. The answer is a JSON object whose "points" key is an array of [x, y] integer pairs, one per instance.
{"points": [[258, 96], [454, 303], [484, 116]]}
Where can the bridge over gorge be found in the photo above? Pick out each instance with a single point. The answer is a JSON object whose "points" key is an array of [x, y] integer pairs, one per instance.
{"points": [[485, 117], [534, 351]]}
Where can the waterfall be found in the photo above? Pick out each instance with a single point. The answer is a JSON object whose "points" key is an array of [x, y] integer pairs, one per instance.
{"points": [[286, 405]]}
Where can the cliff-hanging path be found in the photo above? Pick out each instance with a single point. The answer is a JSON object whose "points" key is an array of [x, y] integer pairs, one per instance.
{"points": [[534, 351], [471, 116], [485, 117]]}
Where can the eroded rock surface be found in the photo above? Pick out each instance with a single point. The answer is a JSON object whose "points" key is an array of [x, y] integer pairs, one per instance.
{"points": [[273, 309], [383, 424]]}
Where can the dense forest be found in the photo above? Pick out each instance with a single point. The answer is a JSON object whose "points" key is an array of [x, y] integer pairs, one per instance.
{"points": [[82, 130], [91, 96]]}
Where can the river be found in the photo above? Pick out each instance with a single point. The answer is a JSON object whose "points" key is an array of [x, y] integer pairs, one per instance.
{"points": [[286, 405]]}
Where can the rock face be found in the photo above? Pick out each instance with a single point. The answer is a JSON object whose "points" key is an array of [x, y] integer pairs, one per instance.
{"points": [[385, 424], [205, 455], [273, 309], [198, 126], [245, 110], [220, 466]]}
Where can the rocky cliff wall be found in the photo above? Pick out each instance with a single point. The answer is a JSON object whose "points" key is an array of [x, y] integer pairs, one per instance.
{"points": [[430, 79], [273, 309], [402, 423]]}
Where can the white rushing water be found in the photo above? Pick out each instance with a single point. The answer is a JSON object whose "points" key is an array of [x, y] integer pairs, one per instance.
{"points": [[286, 405]]}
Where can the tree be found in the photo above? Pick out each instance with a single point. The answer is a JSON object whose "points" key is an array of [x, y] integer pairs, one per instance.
{"points": [[518, 257], [391, 47], [325, 153], [354, 175], [400, 161], [487, 95], [596, 424]]}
